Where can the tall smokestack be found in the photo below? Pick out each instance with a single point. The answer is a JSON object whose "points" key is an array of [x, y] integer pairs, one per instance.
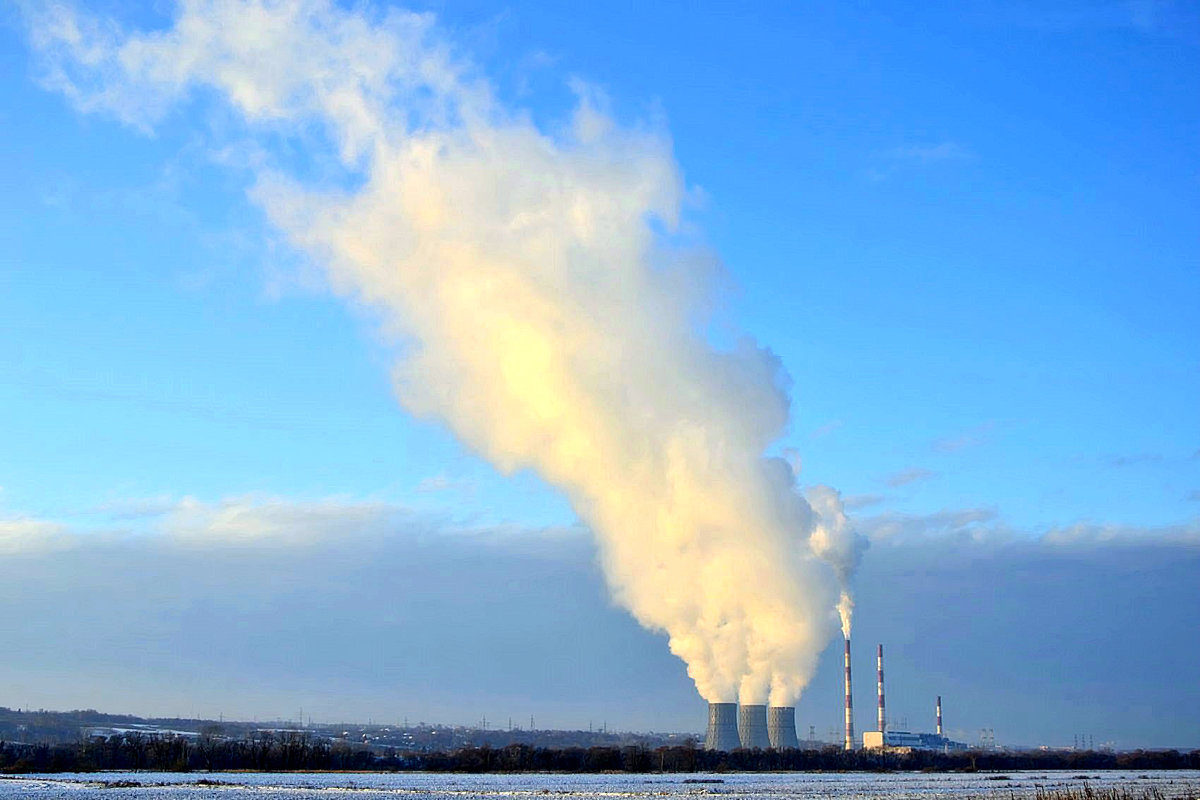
{"points": [[752, 727], [722, 727], [939, 715], [849, 703], [781, 727], [882, 719]]}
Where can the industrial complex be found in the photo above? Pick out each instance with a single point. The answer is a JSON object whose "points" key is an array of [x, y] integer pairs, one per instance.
{"points": [[757, 726]]}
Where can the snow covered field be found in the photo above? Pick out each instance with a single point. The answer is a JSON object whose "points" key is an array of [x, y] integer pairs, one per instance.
{"points": [[897, 786]]}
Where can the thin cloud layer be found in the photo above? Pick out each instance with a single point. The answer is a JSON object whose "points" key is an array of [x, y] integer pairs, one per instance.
{"points": [[986, 526], [908, 476], [391, 614], [29, 535]]}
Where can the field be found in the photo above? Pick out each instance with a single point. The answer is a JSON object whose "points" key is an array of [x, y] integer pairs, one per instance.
{"points": [[1163, 785]]}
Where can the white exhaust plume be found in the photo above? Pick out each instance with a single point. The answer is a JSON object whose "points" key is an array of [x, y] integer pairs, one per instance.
{"points": [[539, 311], [834, 540]]}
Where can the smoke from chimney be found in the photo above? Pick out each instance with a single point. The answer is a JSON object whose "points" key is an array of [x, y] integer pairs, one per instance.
{"points": [[536, 309], [835, 542]]}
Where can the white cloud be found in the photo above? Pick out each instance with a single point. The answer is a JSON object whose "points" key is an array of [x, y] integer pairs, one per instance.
{"points": [[259, 520], [986, 526], [855, 502], [1088, 534], [974, 524], [29, 535], [253, 519], [909, 475]]}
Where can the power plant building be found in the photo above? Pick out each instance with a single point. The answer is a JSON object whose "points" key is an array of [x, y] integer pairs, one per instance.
{"points": [[875, 740], [884, 738]]}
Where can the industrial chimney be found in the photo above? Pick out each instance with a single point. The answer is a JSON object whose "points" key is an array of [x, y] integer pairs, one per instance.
{"points": [[781, 727], [752, 727], [881, 716], [722, 727], [939, 715], [849, 703]]}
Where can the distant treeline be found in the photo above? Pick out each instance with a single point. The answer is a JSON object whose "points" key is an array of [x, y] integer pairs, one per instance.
{"points": [[296, 751], [53, 727]]}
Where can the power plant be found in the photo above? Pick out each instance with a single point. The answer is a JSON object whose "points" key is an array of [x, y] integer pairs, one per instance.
{"points": [[781, 727], [752, 727], [883, 739], [757, 726], [722, 727]]}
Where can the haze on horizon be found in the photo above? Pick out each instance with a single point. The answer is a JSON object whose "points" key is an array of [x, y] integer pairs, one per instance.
{"points": [[966, 237]]}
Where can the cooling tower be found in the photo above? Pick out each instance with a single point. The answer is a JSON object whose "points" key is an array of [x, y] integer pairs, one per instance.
{"points": [[881, 716], [752, 727], [849, 703], [939, 715], [722, 727], [781, 727]]}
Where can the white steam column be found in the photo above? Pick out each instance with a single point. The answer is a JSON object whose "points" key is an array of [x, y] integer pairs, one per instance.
{"points": [[939, 715], [849, 703], [722, 727], [781, 727], [882, 719], [752, 727]]}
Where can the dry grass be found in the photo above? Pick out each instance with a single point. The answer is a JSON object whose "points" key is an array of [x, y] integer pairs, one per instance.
{"points": [[1086, 792]]}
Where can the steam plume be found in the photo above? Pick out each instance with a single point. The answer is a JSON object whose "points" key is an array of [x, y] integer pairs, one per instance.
{"points": [[538, 312], [834, 540]]}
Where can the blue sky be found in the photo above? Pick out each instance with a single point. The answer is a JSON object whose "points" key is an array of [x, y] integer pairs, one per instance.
{"points": [[969, 233]]}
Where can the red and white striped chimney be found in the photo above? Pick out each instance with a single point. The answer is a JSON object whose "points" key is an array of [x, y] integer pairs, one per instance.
{"points": [[939, 715], [881, 716], [849, 703]]}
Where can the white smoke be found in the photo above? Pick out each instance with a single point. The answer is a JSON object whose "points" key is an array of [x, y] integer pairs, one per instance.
{"points": [[834, 540], [540, 314]]}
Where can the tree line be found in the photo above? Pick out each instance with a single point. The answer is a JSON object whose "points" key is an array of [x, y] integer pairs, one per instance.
{"points": [[271, 752]]}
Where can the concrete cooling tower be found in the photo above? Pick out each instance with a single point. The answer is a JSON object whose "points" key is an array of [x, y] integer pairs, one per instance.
{"points": [[781, 727], [722, 727], [752, 727]]}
